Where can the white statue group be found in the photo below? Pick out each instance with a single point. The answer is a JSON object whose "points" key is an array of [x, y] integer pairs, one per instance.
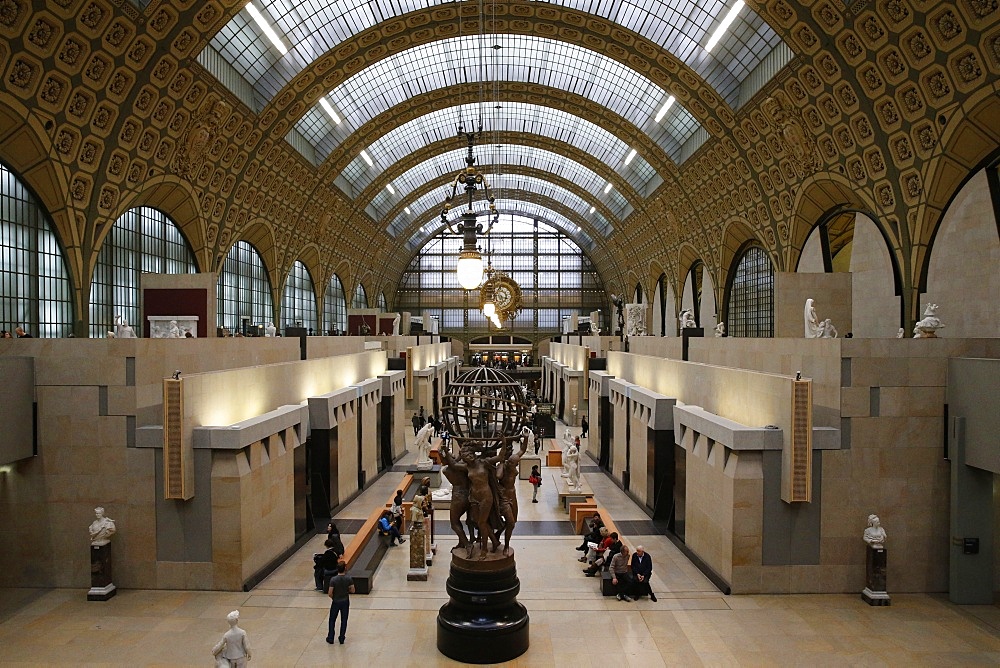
{"points": [[422, 442], [571, 460], [816, 328]]}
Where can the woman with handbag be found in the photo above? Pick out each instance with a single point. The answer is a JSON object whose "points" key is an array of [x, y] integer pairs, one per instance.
{"points": [[535, 478]]}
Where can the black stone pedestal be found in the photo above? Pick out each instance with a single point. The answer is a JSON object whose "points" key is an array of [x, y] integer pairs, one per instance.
{"points": [[483, 622], [875, 580], [101, 588]]}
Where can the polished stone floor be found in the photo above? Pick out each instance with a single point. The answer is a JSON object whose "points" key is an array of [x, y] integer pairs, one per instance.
{"points": [[691, 624]]}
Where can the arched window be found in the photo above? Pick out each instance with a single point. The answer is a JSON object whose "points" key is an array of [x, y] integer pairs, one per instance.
{"points": [[750, 299], [381, 302], [244, 292], [335, 306], [143, 240], [360, 299], [298, 305], [556, 278], [35, 291]]}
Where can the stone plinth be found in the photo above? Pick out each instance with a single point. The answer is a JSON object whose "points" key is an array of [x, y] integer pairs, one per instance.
{"points": [[101, 588], [418, 559], [553, 458], [482, 622], [875, 579]]}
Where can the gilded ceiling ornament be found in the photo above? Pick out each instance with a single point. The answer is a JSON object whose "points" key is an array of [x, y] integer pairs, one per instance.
{"points": [[200, 134], [795, 140]]}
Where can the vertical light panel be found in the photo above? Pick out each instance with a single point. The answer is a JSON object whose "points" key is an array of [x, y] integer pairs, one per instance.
{"points": [[178, 460], [796, 459]]}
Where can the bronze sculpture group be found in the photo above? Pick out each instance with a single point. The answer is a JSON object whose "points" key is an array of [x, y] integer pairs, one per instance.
{"points": [[484, 491]]}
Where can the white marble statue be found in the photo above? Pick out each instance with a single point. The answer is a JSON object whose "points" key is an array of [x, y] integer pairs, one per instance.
{"points": [[572, 459], [567, 443], [270, 330], [686, 319], [874, 534], [122, 329], [423, 444], [635, 317], [829, 331], [528, 437], [102, 528], [395, 325], [928, 326], [813, 325], [901, 333], [720, 330], [233, 649]]}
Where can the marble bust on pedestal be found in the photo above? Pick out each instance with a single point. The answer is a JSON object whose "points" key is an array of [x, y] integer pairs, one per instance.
{"points": [[101, 529], [875, 534], [876, 562]]}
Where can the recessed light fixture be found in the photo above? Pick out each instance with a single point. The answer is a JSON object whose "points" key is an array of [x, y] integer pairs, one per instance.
{"points": [[266, 28], [593, 209], [407, 210], [328, 108], [367, 158], [631, 154], [724, 26], [389, 187], [664, 109], [607, 188]]}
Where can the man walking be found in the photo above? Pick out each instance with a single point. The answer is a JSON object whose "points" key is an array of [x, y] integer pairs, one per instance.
{"points": [[584, 427], [341, 588], [415, 421], [642, 570]]}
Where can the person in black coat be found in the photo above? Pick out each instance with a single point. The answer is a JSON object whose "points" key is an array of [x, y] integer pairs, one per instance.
{"points": [[325, 563], [642, 571]]}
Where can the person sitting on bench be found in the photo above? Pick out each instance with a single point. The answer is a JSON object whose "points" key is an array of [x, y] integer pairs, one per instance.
{"points": [[385, 528]]}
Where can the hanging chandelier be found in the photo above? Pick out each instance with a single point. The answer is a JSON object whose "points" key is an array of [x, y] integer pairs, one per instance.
{"points": [[470, 260]]}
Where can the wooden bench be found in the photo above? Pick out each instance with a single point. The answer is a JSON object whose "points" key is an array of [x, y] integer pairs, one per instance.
{"points": [[365, 551]]}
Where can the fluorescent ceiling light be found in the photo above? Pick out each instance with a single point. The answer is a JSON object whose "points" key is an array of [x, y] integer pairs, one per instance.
{"points": [[407, 210], [724, 26], [631, 154], [389, 187], [664, 109], [266, 28], [593, 209], [367, 158], [607, 188], [328, 108]]}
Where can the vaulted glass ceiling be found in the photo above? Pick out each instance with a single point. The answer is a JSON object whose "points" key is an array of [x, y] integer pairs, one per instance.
{"points": [[508, 206], [511, 117], [310, 28], [493, 159], [434, 201], [520, 58]]}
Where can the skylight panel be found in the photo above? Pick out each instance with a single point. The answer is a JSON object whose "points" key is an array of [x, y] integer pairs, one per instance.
{"points": [[727, 21], [268, 31]]}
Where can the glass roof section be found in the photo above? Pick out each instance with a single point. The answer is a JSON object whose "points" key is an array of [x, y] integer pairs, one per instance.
{"points": [[433, 201], [310, 28], [511, 117], [521, 58], [506, 156], [506, 206]]}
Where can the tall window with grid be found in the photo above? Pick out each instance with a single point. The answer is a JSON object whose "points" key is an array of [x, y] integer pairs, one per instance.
{"points": [[335, 306], [298, 305], [555, 276], [381, 302], [35, 291], [751, 296], [244, 289], [360, 299], [143, 240]]}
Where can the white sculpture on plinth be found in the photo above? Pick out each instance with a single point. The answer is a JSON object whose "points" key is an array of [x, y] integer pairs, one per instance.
{"points": [[395, 325], [686, 319], [635, 316], [720, 330], [901, 333], [423, 445], [928, 326], [528, 437], [875, 534], [102, 528], [567, 444], [572, 460], [234, 648], [270, 330], [813, 326], [122, 329], [829, 331]]}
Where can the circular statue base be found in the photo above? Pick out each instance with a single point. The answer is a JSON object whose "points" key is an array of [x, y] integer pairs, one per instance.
{"points": [[482, 622]]}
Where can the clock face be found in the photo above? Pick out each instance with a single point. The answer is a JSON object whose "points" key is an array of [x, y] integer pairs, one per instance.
{"points": [[503, 297]]}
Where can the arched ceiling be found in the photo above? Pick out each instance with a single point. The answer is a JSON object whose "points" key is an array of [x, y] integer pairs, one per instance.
{"points": [[598, 135]]}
